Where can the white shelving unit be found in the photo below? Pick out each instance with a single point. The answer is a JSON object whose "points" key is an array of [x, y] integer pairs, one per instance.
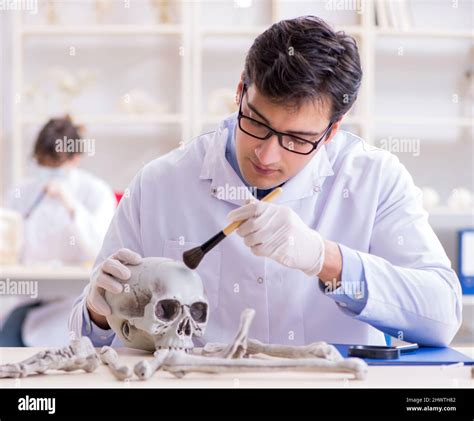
{"points": [[363, 32], [164, 29], [445, 210], [22, 33], [193, 33], [424, 33], [118, 119], [468, 300], [192, 118], [459, 122], [366, 34]]}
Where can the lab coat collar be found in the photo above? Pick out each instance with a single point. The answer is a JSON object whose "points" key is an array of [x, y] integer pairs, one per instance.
{"points": [[227, 185]]}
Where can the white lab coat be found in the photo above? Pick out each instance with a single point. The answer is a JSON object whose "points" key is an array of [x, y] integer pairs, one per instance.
{"points": [[353, 194], [68, 241], [51, 237]]}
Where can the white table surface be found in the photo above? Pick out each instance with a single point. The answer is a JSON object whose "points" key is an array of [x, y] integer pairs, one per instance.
{"points": [[378, 376]]}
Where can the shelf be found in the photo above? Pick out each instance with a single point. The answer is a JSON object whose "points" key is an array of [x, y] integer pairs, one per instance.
{"points": [[351, 30], [215, 119], [468, 299], [210, 30], [104, 30], [415, 121], [228, 30], [444, 211], [424, 33], [43, 272], [115, 119], [192, 31]]}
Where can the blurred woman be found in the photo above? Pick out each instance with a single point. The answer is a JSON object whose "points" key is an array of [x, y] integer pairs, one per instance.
{"points": [[66, 212]]}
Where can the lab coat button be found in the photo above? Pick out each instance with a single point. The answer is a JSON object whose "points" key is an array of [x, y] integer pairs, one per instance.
{"points": [[260, 280], [317, 189]]}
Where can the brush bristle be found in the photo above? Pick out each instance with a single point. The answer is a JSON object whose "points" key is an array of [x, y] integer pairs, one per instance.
{"points": [[193, 257]]}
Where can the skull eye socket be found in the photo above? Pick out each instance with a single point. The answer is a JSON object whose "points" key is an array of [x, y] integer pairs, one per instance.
{"points": [[199, 312], [167, 310]]}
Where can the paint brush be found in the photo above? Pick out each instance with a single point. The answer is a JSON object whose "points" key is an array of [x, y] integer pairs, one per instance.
{"points": [[193, 257]]}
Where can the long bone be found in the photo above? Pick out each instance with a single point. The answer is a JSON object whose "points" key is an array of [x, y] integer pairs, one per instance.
{"points": [[110, 358], [242, 346], [313, 350], [180, 363], [317, 357], [145, 369]]}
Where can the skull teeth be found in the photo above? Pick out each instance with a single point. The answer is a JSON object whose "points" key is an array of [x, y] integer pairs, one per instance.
{"points": [[175, 348]]}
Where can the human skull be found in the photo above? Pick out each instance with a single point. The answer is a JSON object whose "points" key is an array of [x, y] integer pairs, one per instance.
{"points": [[162, 306]]}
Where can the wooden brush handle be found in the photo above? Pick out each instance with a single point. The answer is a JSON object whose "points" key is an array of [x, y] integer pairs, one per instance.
{"points": [[268, 198]]}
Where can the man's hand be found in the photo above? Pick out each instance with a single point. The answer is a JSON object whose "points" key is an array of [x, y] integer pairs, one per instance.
{"points": [[277, 232], [105, 278]]}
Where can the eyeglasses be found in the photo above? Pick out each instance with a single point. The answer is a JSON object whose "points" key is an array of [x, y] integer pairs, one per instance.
{"points": [[287, 141]]}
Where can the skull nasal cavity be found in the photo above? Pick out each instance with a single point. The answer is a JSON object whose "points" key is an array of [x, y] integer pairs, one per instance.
{"points": [[184, 327]]}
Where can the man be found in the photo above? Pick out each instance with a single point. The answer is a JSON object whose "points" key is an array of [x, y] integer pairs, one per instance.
{"points": [[344, 254]]}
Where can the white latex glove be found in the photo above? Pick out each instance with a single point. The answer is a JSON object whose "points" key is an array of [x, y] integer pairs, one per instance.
{"points": [[277, 232], [105, 277]]}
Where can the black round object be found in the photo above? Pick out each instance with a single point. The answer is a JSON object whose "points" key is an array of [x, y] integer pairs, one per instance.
{"points": [[376, 352]]}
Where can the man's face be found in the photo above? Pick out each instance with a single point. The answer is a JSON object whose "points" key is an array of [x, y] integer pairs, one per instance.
{"points": [[264, 163]]}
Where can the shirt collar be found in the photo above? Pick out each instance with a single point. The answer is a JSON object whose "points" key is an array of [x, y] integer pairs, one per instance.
{"points": [[227, 185]]}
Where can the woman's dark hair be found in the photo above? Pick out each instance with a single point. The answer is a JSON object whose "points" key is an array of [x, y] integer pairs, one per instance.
{"points": [[303, 59], [59, 140]]}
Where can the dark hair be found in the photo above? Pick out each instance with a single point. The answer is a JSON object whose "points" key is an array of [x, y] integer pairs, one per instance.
{"points": [[303, 59], [56, 130]]}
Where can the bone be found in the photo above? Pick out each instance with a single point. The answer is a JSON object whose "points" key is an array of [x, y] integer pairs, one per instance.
{"points": [[181, 363], [238, 348], [145, 369], [109, 357], [313, 350], [152, 280], [79, 355]]}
